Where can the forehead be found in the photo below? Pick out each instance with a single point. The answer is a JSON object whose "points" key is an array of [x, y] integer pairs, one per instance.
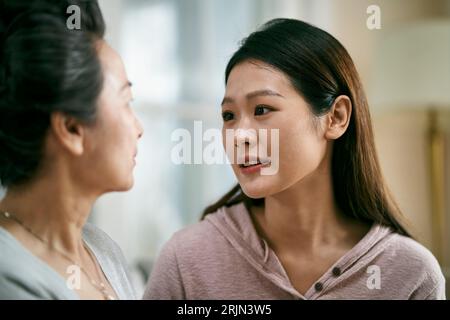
{"points": [[250, 76], [112, 65]]}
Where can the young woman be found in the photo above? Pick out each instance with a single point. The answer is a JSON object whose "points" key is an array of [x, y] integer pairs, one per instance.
{"points": [[322, 227], [67, 136]]}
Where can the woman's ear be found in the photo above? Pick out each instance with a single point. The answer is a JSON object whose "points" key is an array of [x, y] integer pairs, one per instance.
{"points": [[68, 131], [338, 118]]}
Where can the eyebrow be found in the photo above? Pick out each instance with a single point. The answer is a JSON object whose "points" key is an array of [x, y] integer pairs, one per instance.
{"points": [[251, 95]]}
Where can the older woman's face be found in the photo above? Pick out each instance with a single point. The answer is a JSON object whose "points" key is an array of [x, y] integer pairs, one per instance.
{"points": [[260, 97], [111, 142]]}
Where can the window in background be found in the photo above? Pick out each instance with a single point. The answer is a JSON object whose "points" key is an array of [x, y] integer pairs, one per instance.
{"points": [[175, 53]]}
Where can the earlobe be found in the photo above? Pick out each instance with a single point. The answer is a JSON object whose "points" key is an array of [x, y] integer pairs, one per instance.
{"points": [[339, 117], [68, 131]]}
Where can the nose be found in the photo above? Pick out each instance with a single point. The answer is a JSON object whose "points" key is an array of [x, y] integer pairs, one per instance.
{"points": [[245, 137], [139, 127], [244, 132]]}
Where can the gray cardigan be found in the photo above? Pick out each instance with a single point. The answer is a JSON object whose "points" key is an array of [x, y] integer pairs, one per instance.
{"points": [[25, 276]]}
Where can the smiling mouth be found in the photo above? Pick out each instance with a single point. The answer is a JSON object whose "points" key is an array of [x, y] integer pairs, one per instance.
{"points": [[258, 163]]}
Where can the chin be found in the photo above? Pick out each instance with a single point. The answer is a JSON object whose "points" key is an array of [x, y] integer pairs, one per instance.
{"points": [[129, 185], [256, 190], [125, 185]]}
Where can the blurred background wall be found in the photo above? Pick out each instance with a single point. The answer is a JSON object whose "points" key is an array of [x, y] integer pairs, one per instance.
{"points": [[175, 52]]}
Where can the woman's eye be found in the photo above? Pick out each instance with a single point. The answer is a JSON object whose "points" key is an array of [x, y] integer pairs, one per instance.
{"points": [[261, 110], [227, 116]]}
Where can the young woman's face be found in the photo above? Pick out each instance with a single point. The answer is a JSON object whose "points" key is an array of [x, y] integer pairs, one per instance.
{"points": [[260, 97], [111, 142]]}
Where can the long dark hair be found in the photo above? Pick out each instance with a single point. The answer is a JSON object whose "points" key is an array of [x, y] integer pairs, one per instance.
{"points": [[44, 68], [321, 69]]}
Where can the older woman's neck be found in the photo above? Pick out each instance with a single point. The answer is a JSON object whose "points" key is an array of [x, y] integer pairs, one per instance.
{"points": [[53, 208]]}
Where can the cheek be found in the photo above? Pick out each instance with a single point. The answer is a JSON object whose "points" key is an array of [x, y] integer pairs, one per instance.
{"points": [[301, 150], [117, 124], [110, 135], [228, 146]]}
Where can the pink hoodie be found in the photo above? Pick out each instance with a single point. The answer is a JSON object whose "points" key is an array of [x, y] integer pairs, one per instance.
{"points": [[223, 257]]}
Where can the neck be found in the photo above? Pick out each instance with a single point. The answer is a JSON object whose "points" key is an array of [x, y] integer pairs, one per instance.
{"points": [[52, 208], [304, 216]]}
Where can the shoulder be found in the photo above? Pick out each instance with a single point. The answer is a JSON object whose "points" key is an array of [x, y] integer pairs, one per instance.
{"points": [[16, 259], [184, 259], [12, 257], [24, 276], [201, 240], [414, 262], [194, 239], [413, 255]]}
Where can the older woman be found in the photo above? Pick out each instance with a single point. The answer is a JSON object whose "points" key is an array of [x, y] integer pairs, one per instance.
{"points": [[67, 136]]}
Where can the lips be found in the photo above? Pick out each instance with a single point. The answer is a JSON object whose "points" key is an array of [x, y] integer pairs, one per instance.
{"points": [[249, 162], [248, 167]]}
